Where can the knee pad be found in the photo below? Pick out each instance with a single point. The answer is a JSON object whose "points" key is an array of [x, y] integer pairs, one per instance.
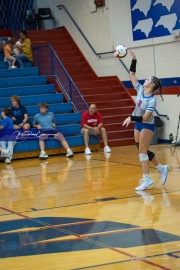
{"points": [[143, 157], [151, 155]]}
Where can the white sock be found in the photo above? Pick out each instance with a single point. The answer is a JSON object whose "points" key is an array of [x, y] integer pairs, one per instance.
{"points": [[159, 167], [146, 175], [68, 149]]}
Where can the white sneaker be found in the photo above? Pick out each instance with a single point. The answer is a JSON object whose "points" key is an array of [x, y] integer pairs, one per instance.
{"points": [[13, 67], [164, 173], [88, 151], [147, 198], [69, 153], [5, 60], [7, 161], [5, 151], [107, 149], [144, 183], [43, 155]]}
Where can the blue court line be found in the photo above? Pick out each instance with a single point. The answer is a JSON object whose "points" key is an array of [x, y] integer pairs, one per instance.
{"points": [[78, 204], [130, 164], [173, 255], [116, 163]]}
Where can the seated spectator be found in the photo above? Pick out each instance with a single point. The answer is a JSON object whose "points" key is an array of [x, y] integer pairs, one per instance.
{"points": [[19, 114], [7, 144], [8, 54], [45, 121], [26, 55], [18, 50], [91, 124]]}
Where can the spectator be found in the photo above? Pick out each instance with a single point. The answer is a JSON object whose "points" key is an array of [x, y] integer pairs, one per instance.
{"points": [[91, 124], [2, 48], [19, 114], [26, 54], [45, 121], [7, 145], [8, 54], [18, 50]]}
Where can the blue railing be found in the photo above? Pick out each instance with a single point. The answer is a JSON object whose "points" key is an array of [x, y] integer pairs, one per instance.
{"points": [[50, 65], [162, 115], [98, 54], [101, 53]]}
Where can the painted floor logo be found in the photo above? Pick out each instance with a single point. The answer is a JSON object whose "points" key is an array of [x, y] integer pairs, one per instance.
{"points": [[46, 235], [154, 18]]}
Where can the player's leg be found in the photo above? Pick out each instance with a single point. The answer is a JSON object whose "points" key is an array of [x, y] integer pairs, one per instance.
{"points": [[145, 137], [162, 169]]}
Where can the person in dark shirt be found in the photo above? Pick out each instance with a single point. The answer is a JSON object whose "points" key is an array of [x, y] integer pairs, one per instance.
{"points": [[19, 114]]}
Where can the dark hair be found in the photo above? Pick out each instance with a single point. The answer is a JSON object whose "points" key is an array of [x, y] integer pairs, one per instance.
{"points": [[24, 33], [43, 105], [10, 41], [157, 85], [16, 98], [7, 112]]}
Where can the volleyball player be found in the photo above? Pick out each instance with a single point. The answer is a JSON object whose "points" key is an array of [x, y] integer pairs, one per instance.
{"points": [[144, 124]]}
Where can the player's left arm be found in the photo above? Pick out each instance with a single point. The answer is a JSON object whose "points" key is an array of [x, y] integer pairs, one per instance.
{"points": [[146, 116], [150, 109]]}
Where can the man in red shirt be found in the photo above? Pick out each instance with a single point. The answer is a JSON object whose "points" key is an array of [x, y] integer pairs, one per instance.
{"points": [[91, 124]]}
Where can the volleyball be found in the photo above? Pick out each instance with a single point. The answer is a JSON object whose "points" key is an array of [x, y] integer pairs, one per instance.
{"points": [[120, 51]]}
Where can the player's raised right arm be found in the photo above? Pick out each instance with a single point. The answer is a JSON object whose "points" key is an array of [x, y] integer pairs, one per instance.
{"points": [[133, 69]]}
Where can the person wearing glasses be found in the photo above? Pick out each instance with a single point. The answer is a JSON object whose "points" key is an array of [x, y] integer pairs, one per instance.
{"points": [[91, 124], [144, 124]]}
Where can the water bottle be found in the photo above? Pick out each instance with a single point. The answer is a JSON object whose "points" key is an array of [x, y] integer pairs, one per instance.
{"points": [[171, 138]]}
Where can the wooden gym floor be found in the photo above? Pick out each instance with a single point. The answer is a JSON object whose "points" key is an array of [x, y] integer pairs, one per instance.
{"points": [[85, 214]]}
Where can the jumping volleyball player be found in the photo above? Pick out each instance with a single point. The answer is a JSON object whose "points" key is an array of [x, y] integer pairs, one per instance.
{"points": [[144, 124]]}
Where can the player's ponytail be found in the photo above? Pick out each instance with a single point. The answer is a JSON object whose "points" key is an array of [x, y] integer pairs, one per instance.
{"points": [[157, 86]]}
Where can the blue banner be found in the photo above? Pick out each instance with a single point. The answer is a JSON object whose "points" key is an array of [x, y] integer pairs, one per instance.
{"points": [[154, 18]]}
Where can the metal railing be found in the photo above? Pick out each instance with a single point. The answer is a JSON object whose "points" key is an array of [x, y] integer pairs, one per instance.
{"points": [[79, 29], [46, 59], [50, 65], [101, 53]]}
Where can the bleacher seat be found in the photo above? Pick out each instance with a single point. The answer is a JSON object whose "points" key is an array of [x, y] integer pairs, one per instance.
{"points": [[33, 89]]}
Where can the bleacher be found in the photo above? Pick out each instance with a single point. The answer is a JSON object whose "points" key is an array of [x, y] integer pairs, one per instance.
{"points": [[33, 89]]}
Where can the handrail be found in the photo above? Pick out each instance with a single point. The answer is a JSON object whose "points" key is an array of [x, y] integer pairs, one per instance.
{"points": [[162, 115], [71, 82], [98, 54]]}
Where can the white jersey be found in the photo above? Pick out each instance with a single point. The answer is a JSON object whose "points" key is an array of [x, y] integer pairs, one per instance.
{"points": [[144, 103]]}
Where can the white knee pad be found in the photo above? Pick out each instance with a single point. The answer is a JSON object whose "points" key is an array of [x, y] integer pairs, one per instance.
{"points": [[143, 157]]}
